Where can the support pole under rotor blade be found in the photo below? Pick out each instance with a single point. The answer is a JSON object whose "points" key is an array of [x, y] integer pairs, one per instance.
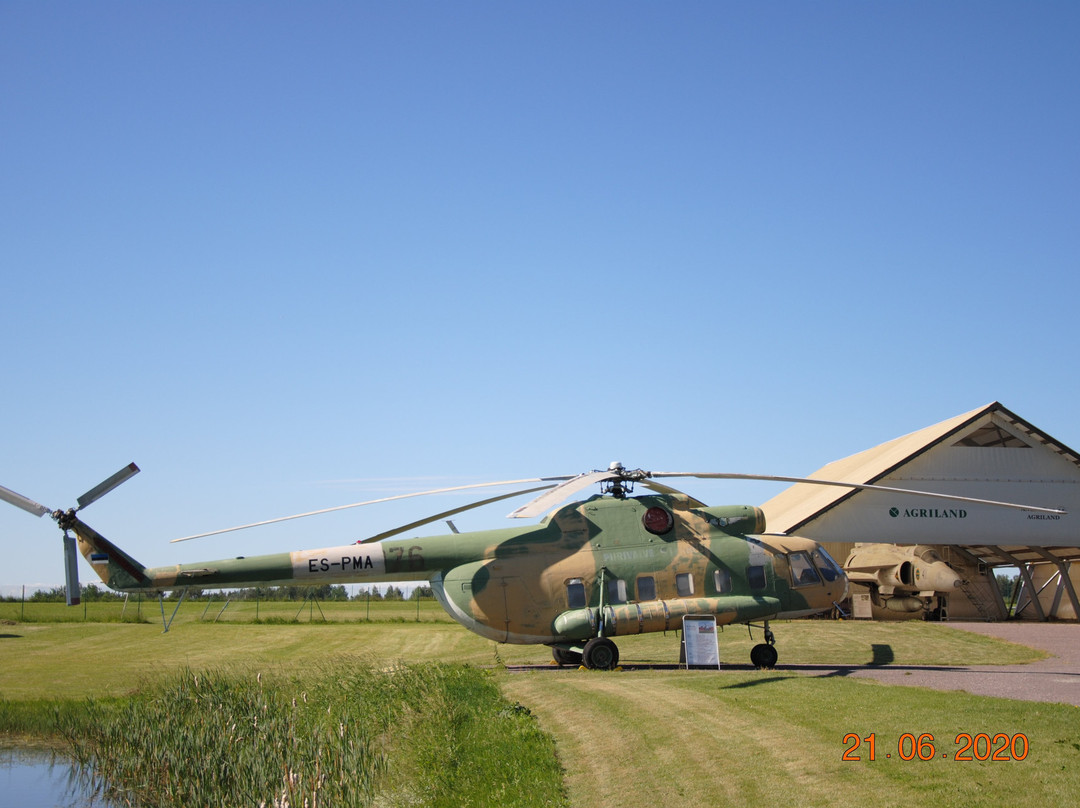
{"points": [[71, 571]]}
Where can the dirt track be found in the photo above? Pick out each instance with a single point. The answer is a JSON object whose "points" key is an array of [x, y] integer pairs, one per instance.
{"points": [[1054, 679]]}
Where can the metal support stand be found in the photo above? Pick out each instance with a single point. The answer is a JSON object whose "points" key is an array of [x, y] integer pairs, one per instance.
{"points": [[179, 600], [310, 599], [223, 608]]}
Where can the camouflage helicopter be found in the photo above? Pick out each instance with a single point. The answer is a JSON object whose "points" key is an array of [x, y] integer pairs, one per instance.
{"points": [[608, 566]]}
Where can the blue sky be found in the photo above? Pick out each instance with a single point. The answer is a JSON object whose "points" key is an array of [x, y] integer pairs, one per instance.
{"points": [[287, 256]]}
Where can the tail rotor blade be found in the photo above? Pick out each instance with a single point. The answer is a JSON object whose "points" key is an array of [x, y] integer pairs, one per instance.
{"points": [[102, 488], [19, 501], [71, 571]]}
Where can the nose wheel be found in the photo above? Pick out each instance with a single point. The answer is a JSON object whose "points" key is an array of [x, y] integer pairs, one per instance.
{"points": [[763, 655]]}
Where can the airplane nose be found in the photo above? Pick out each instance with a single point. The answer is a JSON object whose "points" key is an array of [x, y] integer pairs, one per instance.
{"points": [[940, 577]]}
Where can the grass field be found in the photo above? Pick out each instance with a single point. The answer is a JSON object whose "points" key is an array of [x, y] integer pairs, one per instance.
{"points": [[635, 738], [140, 609]]}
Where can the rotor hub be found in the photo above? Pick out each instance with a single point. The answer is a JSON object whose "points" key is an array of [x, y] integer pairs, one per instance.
{"points": [[621, 483], [65, 519]]}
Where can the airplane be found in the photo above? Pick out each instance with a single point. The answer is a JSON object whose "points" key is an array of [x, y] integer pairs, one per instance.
{"points": [[608, 566], [902, 579]]}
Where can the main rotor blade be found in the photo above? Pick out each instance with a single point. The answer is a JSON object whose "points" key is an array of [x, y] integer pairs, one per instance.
{"points": [[104, 487], [866, 486], [545, 502], [660, 488], [19, 501], [387, 534], [369, 502]]}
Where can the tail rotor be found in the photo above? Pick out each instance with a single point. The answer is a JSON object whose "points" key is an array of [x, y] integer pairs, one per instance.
{"points": [[64, 520]]}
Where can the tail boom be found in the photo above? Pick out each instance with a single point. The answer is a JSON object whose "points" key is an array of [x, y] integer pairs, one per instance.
{"points": [[116, 568]]}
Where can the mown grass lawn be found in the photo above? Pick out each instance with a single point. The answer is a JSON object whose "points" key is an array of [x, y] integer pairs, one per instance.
{"points": [[642, 737]]}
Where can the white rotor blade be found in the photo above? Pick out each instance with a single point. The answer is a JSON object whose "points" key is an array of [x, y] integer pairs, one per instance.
{"points": [[660, 488], [453, 511], [546, 502], [369, 502], [104, 487], [19, 501], [867, 486]]}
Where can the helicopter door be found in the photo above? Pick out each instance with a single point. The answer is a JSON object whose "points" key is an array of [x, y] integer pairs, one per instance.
{"points": [[520, 614], [480, 596]]}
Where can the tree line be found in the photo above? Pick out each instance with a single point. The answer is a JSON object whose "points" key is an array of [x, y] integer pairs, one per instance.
{"points": [[92, 593]]}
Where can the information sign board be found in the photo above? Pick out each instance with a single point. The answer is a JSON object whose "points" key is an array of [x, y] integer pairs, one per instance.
{"points": [[699, 637]]}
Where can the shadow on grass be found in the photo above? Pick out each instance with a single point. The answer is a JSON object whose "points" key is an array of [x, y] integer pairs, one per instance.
{"points": [[755, 682], [883, 654]]}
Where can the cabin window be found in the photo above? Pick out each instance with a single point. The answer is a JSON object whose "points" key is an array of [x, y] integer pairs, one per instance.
{"points": [[826, 565], [802, 571], [755, 577], [616, 590], [684, 584], [722, 579], [575, 594], [646, 588]]}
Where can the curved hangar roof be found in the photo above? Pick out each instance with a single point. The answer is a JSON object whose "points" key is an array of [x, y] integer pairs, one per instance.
{"points": [[988, 453]]}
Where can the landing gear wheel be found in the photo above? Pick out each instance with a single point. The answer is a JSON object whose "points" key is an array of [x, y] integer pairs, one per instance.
{"points": [[763, 656], [564, 656], [600, 654]]}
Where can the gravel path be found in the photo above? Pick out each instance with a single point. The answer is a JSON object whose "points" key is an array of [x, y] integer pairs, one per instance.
{"points": [[1054, 679]]}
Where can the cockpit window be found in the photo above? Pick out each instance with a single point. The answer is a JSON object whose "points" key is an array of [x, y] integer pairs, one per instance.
{"points": [[826, 565], [802, 571]]}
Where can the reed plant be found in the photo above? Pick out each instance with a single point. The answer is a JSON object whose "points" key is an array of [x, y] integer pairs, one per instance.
{"points": [[343, 735]]}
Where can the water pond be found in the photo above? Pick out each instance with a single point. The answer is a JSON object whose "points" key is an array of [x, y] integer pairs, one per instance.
{"points": [[37, 777]]}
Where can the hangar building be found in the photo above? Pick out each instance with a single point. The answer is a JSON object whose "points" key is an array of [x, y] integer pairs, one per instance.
{"points": [[989, 453]]}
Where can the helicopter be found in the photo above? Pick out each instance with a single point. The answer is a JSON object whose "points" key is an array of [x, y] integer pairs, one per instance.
{"points": [[607, 566]]}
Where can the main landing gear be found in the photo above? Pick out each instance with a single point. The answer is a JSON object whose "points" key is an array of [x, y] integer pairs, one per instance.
{"points": [[763, 655], [599, 653]]}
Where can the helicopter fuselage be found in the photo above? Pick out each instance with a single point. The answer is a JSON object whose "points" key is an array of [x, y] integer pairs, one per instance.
{"points": [[601, 567]]}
